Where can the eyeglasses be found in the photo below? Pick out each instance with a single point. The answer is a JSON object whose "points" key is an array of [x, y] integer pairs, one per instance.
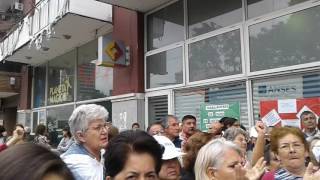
{"points": [[100, 128], [287, 146]]}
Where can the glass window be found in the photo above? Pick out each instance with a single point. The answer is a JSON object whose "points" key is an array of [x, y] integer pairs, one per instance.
{"points": [[24, 118], [39, 86], [34, 121], [165, 68], [189, 101], [93, 81], [57, 119], [292, 87], [61, 79], [165, 26], [207, 15], [260, 7], [215, 57], [38, 117], [285, 41], [157, 108]]}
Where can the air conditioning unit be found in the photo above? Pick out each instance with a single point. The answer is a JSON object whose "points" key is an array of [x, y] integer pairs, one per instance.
{"points": [[18, 6]]}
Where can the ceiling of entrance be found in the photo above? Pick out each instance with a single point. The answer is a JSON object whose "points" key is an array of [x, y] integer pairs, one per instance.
{"points": [[138, 5], [70, 32]]}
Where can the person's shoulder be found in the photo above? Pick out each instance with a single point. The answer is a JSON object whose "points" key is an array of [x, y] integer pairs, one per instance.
{"points": [[73, 149]]}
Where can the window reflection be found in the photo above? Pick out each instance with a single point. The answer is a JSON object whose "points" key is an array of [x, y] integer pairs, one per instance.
{"points": [[165, 68], [285, 41], [93, 81], [211, 15], [57, 119], [260, 7], [165, 26], [215, 57]]}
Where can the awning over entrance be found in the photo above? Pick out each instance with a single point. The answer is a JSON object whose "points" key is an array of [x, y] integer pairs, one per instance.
{"points": [[56, 27], [137, 5]]}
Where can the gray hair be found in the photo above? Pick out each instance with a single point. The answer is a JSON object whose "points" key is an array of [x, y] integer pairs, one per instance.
{"points": [[83, 115], [231, 133], [211, 155], [165, 120]]}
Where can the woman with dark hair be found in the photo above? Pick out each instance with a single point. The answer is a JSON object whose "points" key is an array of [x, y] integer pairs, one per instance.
{"points": [[40, 137], [228, 122], [34, 162], [66, 141], [133, 154]]}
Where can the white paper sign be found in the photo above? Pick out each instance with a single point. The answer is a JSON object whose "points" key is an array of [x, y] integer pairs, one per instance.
{"points": [[305, 108], [291, 123], [287, 106], [272, 118]]}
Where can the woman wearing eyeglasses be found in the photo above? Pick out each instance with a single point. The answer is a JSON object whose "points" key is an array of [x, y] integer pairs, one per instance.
{"points": [[89, 128], [291, 149]]}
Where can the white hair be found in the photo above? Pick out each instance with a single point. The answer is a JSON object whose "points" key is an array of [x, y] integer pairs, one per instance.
{"points": [[211, 155], [83, 115], [231, 133]]}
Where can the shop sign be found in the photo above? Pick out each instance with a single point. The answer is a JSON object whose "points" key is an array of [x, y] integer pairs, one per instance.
{"points": [[60, 93], [111, 52], [214, 112]]}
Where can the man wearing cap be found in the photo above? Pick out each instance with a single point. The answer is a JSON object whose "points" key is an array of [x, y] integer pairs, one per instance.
{"points": [[170, 169]]}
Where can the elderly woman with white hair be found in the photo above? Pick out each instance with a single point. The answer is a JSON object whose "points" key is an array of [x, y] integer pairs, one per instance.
{"points": [[88, 127], [223, 160]]}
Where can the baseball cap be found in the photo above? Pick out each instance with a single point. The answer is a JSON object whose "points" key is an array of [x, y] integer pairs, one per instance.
{"points": [[170, 151]]}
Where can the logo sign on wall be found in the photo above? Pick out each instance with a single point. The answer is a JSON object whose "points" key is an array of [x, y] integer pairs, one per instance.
{"points": [[287, 112], [111, 52], [214, 112]]}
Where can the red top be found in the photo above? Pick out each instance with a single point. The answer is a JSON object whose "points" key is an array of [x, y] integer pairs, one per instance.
{"points": [[3, 147], [268, 175]]}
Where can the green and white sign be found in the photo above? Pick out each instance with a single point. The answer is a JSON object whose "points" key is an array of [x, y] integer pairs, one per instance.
{"points": [[214, 112]]}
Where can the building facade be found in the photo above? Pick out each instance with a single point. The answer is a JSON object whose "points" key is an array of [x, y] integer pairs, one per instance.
{"points": [[242, 52], [181, 57]]}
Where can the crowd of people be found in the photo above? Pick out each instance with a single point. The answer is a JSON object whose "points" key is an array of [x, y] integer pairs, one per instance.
{"points": [[169, 149]]}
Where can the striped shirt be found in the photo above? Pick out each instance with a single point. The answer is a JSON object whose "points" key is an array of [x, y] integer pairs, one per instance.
{"points": [[283, 174]]}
